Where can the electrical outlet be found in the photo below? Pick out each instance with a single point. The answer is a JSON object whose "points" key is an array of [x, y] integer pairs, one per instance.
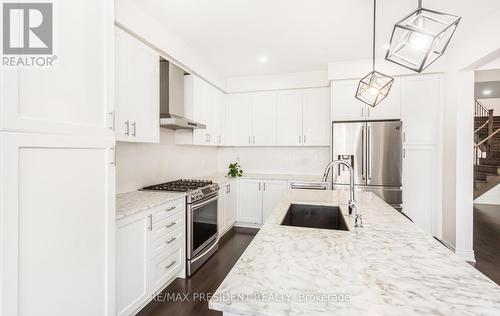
{"points": [[238, 158]]}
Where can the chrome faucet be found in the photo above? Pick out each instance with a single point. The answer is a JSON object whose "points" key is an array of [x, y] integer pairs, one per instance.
{"points": [[352, 195]]}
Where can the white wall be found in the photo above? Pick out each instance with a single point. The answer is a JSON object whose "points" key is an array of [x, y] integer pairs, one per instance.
{"points": [[280, 160], [491, 104], [490, 197], [139, 165], [296, 80]]}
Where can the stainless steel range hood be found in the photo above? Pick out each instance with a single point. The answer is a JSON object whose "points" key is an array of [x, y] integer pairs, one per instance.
{"points": [[172, 107]]}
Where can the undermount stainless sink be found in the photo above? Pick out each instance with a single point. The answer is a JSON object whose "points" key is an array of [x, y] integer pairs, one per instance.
{"points": [[315, 216]]}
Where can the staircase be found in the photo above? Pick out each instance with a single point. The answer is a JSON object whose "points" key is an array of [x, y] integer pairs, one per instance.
{"points": [[486, 150]]}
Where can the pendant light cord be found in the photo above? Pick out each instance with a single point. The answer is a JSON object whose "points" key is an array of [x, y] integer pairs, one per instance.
{"points": [[374, 32]]}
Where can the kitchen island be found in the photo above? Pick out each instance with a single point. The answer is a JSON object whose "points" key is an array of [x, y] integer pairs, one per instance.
{"points": [[388, 267]]}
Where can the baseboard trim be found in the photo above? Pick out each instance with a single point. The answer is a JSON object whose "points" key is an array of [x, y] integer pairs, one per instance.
{"points": [[467, 255]]}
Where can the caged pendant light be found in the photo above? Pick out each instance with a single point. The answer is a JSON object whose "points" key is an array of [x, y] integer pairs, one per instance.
{"points": [[375, 86], [421, 38]]}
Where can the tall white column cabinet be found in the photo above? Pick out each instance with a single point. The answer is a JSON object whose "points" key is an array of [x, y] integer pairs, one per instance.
{"points": [[57, 172]]}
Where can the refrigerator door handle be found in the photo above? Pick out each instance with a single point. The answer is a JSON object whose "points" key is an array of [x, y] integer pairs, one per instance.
{"points": [[369, 152], [363, 153]]}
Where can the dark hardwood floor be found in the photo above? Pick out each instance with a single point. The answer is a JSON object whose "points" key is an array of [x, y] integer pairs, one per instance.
{"points": [[487, 240], [190, 296]]}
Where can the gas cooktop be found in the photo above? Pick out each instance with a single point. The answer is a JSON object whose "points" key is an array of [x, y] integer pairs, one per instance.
{"points": [[182, 185]]}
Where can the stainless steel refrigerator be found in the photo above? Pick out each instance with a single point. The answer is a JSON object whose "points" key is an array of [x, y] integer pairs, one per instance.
{"points": [[375, 150]]}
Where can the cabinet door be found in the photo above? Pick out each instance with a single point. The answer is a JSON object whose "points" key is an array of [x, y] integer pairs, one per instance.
{"points": [[264, 119], [136, 90], [221, 108], [316, 117], [230, 208], [390, 107], [212, 116], [75, 95], [240, 119], [289, 118], [201, 100], [221, 209], [419, 186], [345, 107], [250, 201], [421, 109], [273, 192], [132, 263], [58, 225]]}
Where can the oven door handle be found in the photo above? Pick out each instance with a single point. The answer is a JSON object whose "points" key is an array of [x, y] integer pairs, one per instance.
{"points": [[197, 206], [201, 255]]}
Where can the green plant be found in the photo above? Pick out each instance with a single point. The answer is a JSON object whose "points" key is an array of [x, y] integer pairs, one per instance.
{"points": [[235, 170]]}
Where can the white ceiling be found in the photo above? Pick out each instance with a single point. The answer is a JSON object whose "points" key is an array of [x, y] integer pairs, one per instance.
{"points": [[295, 35]]}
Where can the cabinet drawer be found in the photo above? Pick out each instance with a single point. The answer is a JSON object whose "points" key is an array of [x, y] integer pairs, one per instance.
{"points": [[165, 267], [166, 241], [167, 225], [168, 209]]}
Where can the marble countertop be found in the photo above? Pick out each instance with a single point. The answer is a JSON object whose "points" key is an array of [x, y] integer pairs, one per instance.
{"points": [[223, 178], [130, 203], [388, 267]]}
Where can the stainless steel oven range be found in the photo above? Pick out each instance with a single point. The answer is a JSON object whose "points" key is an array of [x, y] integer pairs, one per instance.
{"points": [[201, 219]]}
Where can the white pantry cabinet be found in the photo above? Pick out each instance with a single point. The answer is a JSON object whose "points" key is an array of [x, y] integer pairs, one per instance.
{"points": [[137, 98], [303, 117], [226, 212], [72, 97], [58, 225], [150, 253], [345, 106], [257, 199]]}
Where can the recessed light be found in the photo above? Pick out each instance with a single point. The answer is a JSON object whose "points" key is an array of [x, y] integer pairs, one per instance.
{"points": [[263, 59], [487, 92]]}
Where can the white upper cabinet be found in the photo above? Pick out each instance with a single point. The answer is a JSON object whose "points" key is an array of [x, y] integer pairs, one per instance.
{"points": [[421, 107], [264, 119], [316, 117], [137, 97], [289, 118], [75, 95], [221, 125], [345, 106], [203, 105], [239, 119]]}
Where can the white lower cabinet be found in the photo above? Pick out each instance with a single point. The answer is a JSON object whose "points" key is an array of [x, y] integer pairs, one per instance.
{"points": [[226, 212], [150, 253], [257, 199]]}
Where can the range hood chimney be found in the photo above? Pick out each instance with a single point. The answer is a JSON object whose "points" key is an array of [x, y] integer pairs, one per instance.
{"points": [[172, 107]]}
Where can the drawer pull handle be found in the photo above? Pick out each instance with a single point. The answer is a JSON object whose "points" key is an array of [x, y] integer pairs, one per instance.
{"points": [[170, 225], [170, 209], [170, 264], [171, 240]]}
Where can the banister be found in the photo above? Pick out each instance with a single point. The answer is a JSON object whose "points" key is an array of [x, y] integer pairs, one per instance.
{"points": [[488, 138]]}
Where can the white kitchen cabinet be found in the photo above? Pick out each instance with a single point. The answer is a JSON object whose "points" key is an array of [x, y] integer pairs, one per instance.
{"points": [[221, 109], [72, 97], [421, 108], [272, 194], [316, 117], [257, 199], [289, 118], [249, 201], [345, 106], [58, 225], [226, 213], [264, 119], [239, 119], [137, 96], [132, 269], [150, 253], [390, 107]]}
